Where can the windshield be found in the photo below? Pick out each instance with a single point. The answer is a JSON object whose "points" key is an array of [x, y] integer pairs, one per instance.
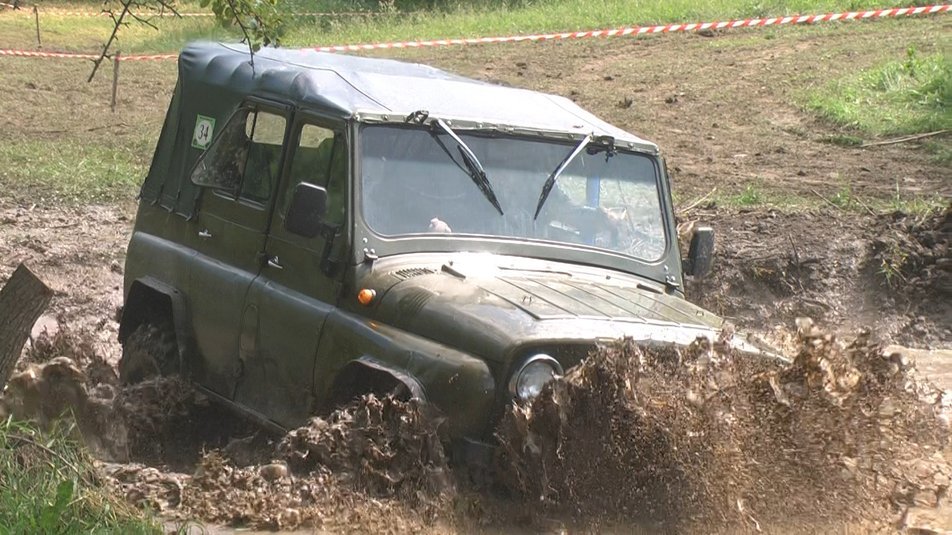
{"points": [[414, 181]]}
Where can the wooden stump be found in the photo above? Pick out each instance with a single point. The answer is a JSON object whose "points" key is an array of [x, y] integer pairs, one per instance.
{"points": [[22, 301]]}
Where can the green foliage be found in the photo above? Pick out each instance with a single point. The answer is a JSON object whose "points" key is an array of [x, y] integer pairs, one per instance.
{"points": [[908, 96], [751, 196], [891, 264], [843, 140], [260, 21], [48, 485], [843, 196]]}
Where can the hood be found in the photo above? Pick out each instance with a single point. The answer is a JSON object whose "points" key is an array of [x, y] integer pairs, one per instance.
{"points": [[489, 305]]}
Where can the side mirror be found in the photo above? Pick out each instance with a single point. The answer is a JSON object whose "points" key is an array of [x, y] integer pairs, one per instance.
{"points": [[701, 253], [306, 214]]}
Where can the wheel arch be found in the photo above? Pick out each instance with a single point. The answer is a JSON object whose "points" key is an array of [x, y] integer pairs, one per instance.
{"points": [[365, 375], [151, 299]]}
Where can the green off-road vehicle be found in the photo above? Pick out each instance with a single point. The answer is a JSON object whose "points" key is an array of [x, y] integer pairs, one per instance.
{"points": [[317, 226]]}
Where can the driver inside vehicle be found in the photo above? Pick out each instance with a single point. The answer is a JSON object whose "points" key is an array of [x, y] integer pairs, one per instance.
{"points": [[442, 200], [446, 207], [415, 182]]}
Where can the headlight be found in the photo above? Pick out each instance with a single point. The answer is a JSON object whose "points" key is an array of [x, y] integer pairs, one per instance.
{"points": [[536, 371]]}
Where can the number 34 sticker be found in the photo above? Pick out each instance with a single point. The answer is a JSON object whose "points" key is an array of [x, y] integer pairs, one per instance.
{"points": [[204, 130]]}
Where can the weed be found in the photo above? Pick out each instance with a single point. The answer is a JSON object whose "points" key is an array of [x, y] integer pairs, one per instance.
{"points": [[940, 152], [751, 196], [843, 196], [915, 204], [891, 264], [843, 140]]}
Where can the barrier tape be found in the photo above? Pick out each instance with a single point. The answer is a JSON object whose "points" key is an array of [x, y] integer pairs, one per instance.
{"points": [[635, 30], [640, 30]]}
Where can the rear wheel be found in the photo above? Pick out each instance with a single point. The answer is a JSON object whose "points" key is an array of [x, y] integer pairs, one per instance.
{"points": [[149, 351]]}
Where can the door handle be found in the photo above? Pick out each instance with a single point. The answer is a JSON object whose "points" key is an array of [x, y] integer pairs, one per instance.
{"points": [[204, 234], [275, 263]]}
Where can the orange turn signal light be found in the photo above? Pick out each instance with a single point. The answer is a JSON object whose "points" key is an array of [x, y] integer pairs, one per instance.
{"points": [[366, 296]]}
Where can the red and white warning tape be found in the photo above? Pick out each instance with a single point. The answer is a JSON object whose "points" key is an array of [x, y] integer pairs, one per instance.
{"points": [[76, 55], [639, 30], [619, 32], [39, 54]]}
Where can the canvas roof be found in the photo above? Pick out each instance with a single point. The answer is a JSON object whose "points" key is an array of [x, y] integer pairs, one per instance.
{"points": [[357, 86]]}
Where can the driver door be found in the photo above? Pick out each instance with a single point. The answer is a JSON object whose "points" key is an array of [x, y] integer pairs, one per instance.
{"points": [[298, 286], [239, 176]]}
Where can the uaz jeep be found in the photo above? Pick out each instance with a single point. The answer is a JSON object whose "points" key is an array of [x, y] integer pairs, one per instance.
{"points": [[316, 226]]}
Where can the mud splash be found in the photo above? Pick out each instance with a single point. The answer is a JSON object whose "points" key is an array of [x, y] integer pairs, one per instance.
{"points": [[372, 463], [698, 438], [694, 439]]}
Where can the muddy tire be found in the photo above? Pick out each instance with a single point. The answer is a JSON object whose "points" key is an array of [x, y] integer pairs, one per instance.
{"points": [[149, 351]]}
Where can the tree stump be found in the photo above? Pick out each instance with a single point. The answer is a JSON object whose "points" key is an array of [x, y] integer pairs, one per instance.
{"points": [[22, 300]]}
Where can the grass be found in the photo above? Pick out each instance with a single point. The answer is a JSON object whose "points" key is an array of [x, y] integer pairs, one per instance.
{"points": [[751, 196], [106, 164], [48, 485], [407, 20], [754, 195], [71, 171], [902, 96]]}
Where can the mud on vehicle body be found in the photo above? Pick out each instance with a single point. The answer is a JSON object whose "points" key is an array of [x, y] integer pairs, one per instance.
{"points": [[317, 226]]}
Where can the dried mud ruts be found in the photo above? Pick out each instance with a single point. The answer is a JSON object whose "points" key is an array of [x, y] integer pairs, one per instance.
{"points": [[701, 437]]}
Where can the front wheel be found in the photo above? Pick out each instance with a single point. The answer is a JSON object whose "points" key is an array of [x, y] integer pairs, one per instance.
{"points": [[149, 351]]}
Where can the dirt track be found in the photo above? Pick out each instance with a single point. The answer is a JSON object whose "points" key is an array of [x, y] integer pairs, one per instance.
{"points": [[720, 107]]}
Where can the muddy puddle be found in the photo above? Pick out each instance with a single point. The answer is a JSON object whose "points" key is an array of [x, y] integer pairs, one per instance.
{"points": [[695, 439]]}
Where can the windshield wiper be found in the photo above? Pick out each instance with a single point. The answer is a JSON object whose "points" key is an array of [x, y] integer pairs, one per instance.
{"points": [[549, 182], [473, 168]]}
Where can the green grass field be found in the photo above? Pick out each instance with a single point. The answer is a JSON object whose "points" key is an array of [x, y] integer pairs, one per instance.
{"points": [[402, 21], [903, 96]]}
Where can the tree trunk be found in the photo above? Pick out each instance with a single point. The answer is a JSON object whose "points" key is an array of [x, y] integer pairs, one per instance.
{"points": [[22, 301]]}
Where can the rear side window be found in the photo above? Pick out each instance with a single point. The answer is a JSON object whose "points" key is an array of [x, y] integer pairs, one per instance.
{"points": [[245, 159]]}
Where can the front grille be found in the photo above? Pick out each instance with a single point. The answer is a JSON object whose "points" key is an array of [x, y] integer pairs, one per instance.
{"points": [[409, 273]]}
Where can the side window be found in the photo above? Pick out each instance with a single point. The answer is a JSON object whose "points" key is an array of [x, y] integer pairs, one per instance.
{"points": [[245, 158], [320, 159]]}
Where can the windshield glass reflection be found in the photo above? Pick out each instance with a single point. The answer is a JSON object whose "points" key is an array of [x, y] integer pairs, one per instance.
{"points": [[412, 185]]}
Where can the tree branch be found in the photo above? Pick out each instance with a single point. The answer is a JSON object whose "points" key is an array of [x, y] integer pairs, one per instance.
{"points": [[251, 47], [112, 37]]}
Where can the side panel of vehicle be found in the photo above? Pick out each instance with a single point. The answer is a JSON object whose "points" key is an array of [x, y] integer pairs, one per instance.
{"points": [[279, 339], [179, 266], [219, 277], [461, 385]]}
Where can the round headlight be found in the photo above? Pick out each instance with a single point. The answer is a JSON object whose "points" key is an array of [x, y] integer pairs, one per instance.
{"points": [[537, 370]]}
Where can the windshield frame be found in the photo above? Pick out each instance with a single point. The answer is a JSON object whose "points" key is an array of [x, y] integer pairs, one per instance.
{"points": [[666, 269]]}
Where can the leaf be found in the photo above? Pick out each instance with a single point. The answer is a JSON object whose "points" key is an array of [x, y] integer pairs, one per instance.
{"points": [[50, 516]]}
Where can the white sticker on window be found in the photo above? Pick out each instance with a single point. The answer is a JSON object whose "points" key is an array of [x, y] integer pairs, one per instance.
{"points": [[204, 130]]}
